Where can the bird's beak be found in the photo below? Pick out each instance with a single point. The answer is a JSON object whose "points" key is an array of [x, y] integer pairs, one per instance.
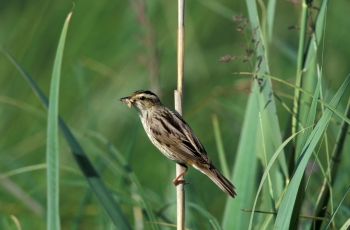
{"points": [[127, 101]]}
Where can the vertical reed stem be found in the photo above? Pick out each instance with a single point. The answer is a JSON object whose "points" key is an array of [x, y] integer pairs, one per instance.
{"points": [[180, 192]]}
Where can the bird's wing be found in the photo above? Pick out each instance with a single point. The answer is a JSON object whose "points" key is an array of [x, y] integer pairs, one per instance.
{"points": [[174, 133]]}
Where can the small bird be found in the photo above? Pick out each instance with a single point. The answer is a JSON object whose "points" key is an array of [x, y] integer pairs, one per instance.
{"points": [[174, 138]]}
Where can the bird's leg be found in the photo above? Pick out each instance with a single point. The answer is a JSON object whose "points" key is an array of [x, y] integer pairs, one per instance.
{"points": [[177, 180]]}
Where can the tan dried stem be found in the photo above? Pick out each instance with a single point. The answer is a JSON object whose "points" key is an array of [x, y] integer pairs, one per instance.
{"points": [[180, 192]]}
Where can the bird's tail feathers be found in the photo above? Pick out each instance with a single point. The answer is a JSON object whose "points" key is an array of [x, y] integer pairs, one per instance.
{"points": [[221, 181]]}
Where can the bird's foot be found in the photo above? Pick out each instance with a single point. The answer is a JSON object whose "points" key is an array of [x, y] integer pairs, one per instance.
{"points": [[177, 182]]}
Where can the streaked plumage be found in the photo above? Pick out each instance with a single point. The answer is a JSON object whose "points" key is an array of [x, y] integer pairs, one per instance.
{"points": [[174, 138]]}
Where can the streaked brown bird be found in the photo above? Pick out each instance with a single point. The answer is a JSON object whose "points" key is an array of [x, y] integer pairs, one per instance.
{"points": [[174, 138]]}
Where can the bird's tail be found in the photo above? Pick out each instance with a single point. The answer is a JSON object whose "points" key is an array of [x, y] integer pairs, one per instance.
{"points": [[219, 179]]}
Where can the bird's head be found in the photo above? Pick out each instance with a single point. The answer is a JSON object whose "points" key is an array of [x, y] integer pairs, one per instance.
{"points": [[142, 100]]}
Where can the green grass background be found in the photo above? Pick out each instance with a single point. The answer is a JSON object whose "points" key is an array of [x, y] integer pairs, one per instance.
{"points": [[111, 50]]}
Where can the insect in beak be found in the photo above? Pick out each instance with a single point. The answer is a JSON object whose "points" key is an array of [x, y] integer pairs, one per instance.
{"points": [[127, 101]]}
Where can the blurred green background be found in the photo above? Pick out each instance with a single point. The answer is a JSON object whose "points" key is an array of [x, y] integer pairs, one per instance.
{"points": [[114, 48]]}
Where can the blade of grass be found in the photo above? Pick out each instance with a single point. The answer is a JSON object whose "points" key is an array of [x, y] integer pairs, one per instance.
{"points": [[24, 170], [16, 222], [31, 168], [336, 209], [310, 121], [310, 67], [262, 92], [302, 36], [270, 186], [266, 173], [271, 6], [96, 184], [306, 61], [285, 211], [220, 147], [306, 56], [242, 176], [52, 152], [346, 225], [309, 82], [316, 39], [250, 143]]}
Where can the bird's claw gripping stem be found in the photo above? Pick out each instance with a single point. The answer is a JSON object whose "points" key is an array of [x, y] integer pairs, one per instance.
{"points": [[177, 180]]}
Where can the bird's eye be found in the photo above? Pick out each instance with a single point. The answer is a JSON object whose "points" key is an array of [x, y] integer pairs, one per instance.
{"points": [[142, 98]]}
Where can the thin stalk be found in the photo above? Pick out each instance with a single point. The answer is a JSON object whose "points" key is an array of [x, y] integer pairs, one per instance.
{"points": [[180, 191], [296, 100], [220, 147], [275, 213]]}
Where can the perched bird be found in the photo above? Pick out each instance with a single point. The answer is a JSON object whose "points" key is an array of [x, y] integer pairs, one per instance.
{"points": [[174, 138]]}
